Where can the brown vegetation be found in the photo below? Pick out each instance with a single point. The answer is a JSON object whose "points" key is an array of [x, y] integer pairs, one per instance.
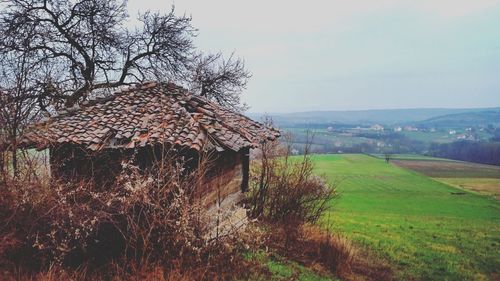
{"points": [[328, 252], [149, 220], [289, 200], [152, 226], [285, 191]]}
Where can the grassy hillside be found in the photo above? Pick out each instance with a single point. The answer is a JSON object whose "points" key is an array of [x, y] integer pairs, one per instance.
{"points": [[460, 120], [426, 231]]}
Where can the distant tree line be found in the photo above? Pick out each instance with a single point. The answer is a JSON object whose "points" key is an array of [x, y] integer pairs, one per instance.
{"points": [[478, 152], [391, 142], [496, 134], [487, 152]]}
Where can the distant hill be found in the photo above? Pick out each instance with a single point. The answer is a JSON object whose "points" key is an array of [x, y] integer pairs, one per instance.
{"points": [[467, 119], [368, 117]]}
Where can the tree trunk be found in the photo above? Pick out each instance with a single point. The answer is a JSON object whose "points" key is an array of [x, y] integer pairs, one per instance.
{"points": [[3, 169], [15, 170]]}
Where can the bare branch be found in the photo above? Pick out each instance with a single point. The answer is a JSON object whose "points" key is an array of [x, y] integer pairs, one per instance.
{"points": [[220, 80], [87, 41]]}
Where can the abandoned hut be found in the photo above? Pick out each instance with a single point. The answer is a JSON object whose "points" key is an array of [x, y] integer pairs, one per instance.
{"points": [[92, 141]]}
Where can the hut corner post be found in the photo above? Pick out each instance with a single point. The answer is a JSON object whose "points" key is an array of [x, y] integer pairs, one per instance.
{"points": [[245, 169]]}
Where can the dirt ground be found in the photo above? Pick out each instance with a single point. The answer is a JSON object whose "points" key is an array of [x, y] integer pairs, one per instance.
{"points": [[486, 186], [483, 179], [451, 169]]}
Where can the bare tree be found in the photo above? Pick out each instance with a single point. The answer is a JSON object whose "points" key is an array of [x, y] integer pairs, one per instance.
{"points": [[17, 109], [88, 44], [388, 157], [220, 80]]}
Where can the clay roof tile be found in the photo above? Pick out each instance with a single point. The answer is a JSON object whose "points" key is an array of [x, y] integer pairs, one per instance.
{"points": [[145, 114]]}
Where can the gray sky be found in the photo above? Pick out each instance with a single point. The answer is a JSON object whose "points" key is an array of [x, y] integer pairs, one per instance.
{"points": [[359, 54]]}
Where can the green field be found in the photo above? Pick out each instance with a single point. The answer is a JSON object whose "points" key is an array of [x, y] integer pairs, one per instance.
{"points": [[420, 225], [283, 269]]}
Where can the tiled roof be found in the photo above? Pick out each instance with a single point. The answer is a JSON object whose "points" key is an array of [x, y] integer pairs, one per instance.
{"points": [[147, 114]]}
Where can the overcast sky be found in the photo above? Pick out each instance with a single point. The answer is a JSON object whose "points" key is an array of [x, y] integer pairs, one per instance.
{"points": [[342, 55]]}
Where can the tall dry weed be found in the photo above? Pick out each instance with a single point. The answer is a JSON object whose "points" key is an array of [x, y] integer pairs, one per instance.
{"points": [[335, 251]]}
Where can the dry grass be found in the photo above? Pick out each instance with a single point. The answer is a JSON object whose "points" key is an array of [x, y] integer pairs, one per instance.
{"points": [[333, 250], [332, 253], [115, 273], [486, 186], [339, 255]]}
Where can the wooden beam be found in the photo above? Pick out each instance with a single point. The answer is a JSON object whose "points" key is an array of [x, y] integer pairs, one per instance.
{"points": [[245, 163]]}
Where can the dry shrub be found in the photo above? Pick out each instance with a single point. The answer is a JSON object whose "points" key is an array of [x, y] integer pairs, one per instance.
{"points": [[144, 217], [17, 218], [147, 216], [285, 191], [150, 223], [7, 233]]}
